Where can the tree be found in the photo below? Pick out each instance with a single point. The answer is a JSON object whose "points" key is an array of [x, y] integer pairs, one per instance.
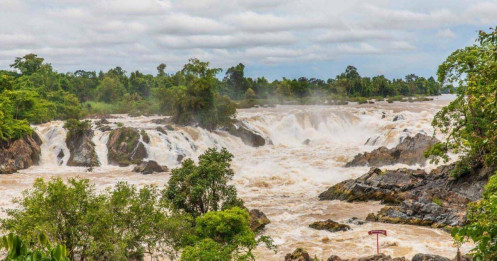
{"points": [[236, 82], [28, 64], [198, 189], [481, 225], [120, 224], [161, 69], [223, 236], [470, 121], [197, 102], [110, 90]]}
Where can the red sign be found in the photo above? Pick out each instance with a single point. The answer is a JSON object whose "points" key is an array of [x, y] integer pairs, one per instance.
{"points": [[378, 232]]}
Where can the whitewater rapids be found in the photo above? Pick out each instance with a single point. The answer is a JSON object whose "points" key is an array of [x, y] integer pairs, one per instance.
{"points": [[309, 147]]}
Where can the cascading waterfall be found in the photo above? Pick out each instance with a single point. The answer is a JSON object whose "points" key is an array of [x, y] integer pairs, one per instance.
{"points": [[309, 147]]}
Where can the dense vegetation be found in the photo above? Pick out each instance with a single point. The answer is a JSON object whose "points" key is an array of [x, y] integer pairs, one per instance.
{"points": [[470, 121], [130, 223], [33, 92], [470, 125]]}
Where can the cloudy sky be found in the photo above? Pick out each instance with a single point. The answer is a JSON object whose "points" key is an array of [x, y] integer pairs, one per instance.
{"points": [[273, 38]]}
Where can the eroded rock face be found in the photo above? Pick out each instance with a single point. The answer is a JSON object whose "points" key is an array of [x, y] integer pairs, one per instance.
{"points": [[409, 151], [248, 136], [125, 147], [329, 225], [82, 149], [416, 197], [258, 220], [150, 167], [19, 154]]}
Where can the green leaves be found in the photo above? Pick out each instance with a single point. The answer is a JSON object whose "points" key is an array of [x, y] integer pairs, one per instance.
{"points": [[198, 189]]}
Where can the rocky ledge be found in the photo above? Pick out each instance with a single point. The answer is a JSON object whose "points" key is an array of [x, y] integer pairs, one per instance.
{"points": [[82, 149], [415, 196], [301, 254], [125, 147], [409, 151], [19, 154]]}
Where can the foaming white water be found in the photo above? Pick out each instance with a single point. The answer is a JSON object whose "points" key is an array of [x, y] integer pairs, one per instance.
{"points": [[310, 145], [53, 136]]}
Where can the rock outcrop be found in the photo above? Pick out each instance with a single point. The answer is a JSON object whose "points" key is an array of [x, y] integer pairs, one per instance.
{"points": [[258, 220], [150, 167], [329, 225], [426, 257], [19, 154], [416, 197], [298, 255], [409, 151], [379, 257], [125, 148], [248, 136], [82, 149]]}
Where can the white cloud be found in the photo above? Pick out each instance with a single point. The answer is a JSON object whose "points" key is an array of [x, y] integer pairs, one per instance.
{"points": [[445, 33], [141, 34]]}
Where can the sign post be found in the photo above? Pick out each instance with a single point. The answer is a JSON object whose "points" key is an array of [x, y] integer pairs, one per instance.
{"points": [[377, 233]]}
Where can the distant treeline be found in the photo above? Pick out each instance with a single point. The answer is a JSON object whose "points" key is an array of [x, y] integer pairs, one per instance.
{"points": [[33, 92]]}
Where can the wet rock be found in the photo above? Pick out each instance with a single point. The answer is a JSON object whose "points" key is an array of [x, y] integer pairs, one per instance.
{"points": [[379, 257], [306, 142], [298, 255], [356, 221], [383, 115], [180, 158], [19, 154], [161, 121], [81, 149], [409, 151], [258, 220], [169, 127], [248, 136], [398, 117], [415, 196], [161, 130], [329, 225], [102, 121], [150, 167], [125, 148], [104, 128], [60, 156], [145, 136], [427, 257]]}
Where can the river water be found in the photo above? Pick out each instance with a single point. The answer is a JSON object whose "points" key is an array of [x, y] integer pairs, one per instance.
{"points": [[310, 145]]}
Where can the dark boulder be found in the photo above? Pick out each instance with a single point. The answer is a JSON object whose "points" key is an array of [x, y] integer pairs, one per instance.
{"points": [[329, 225], [409, 151], [427, 257], [258, 220], [125, 148], [82, 149], [378, 257], [298, 255], [248, 136], [19, 154], [398, 117], [150, 167]]}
